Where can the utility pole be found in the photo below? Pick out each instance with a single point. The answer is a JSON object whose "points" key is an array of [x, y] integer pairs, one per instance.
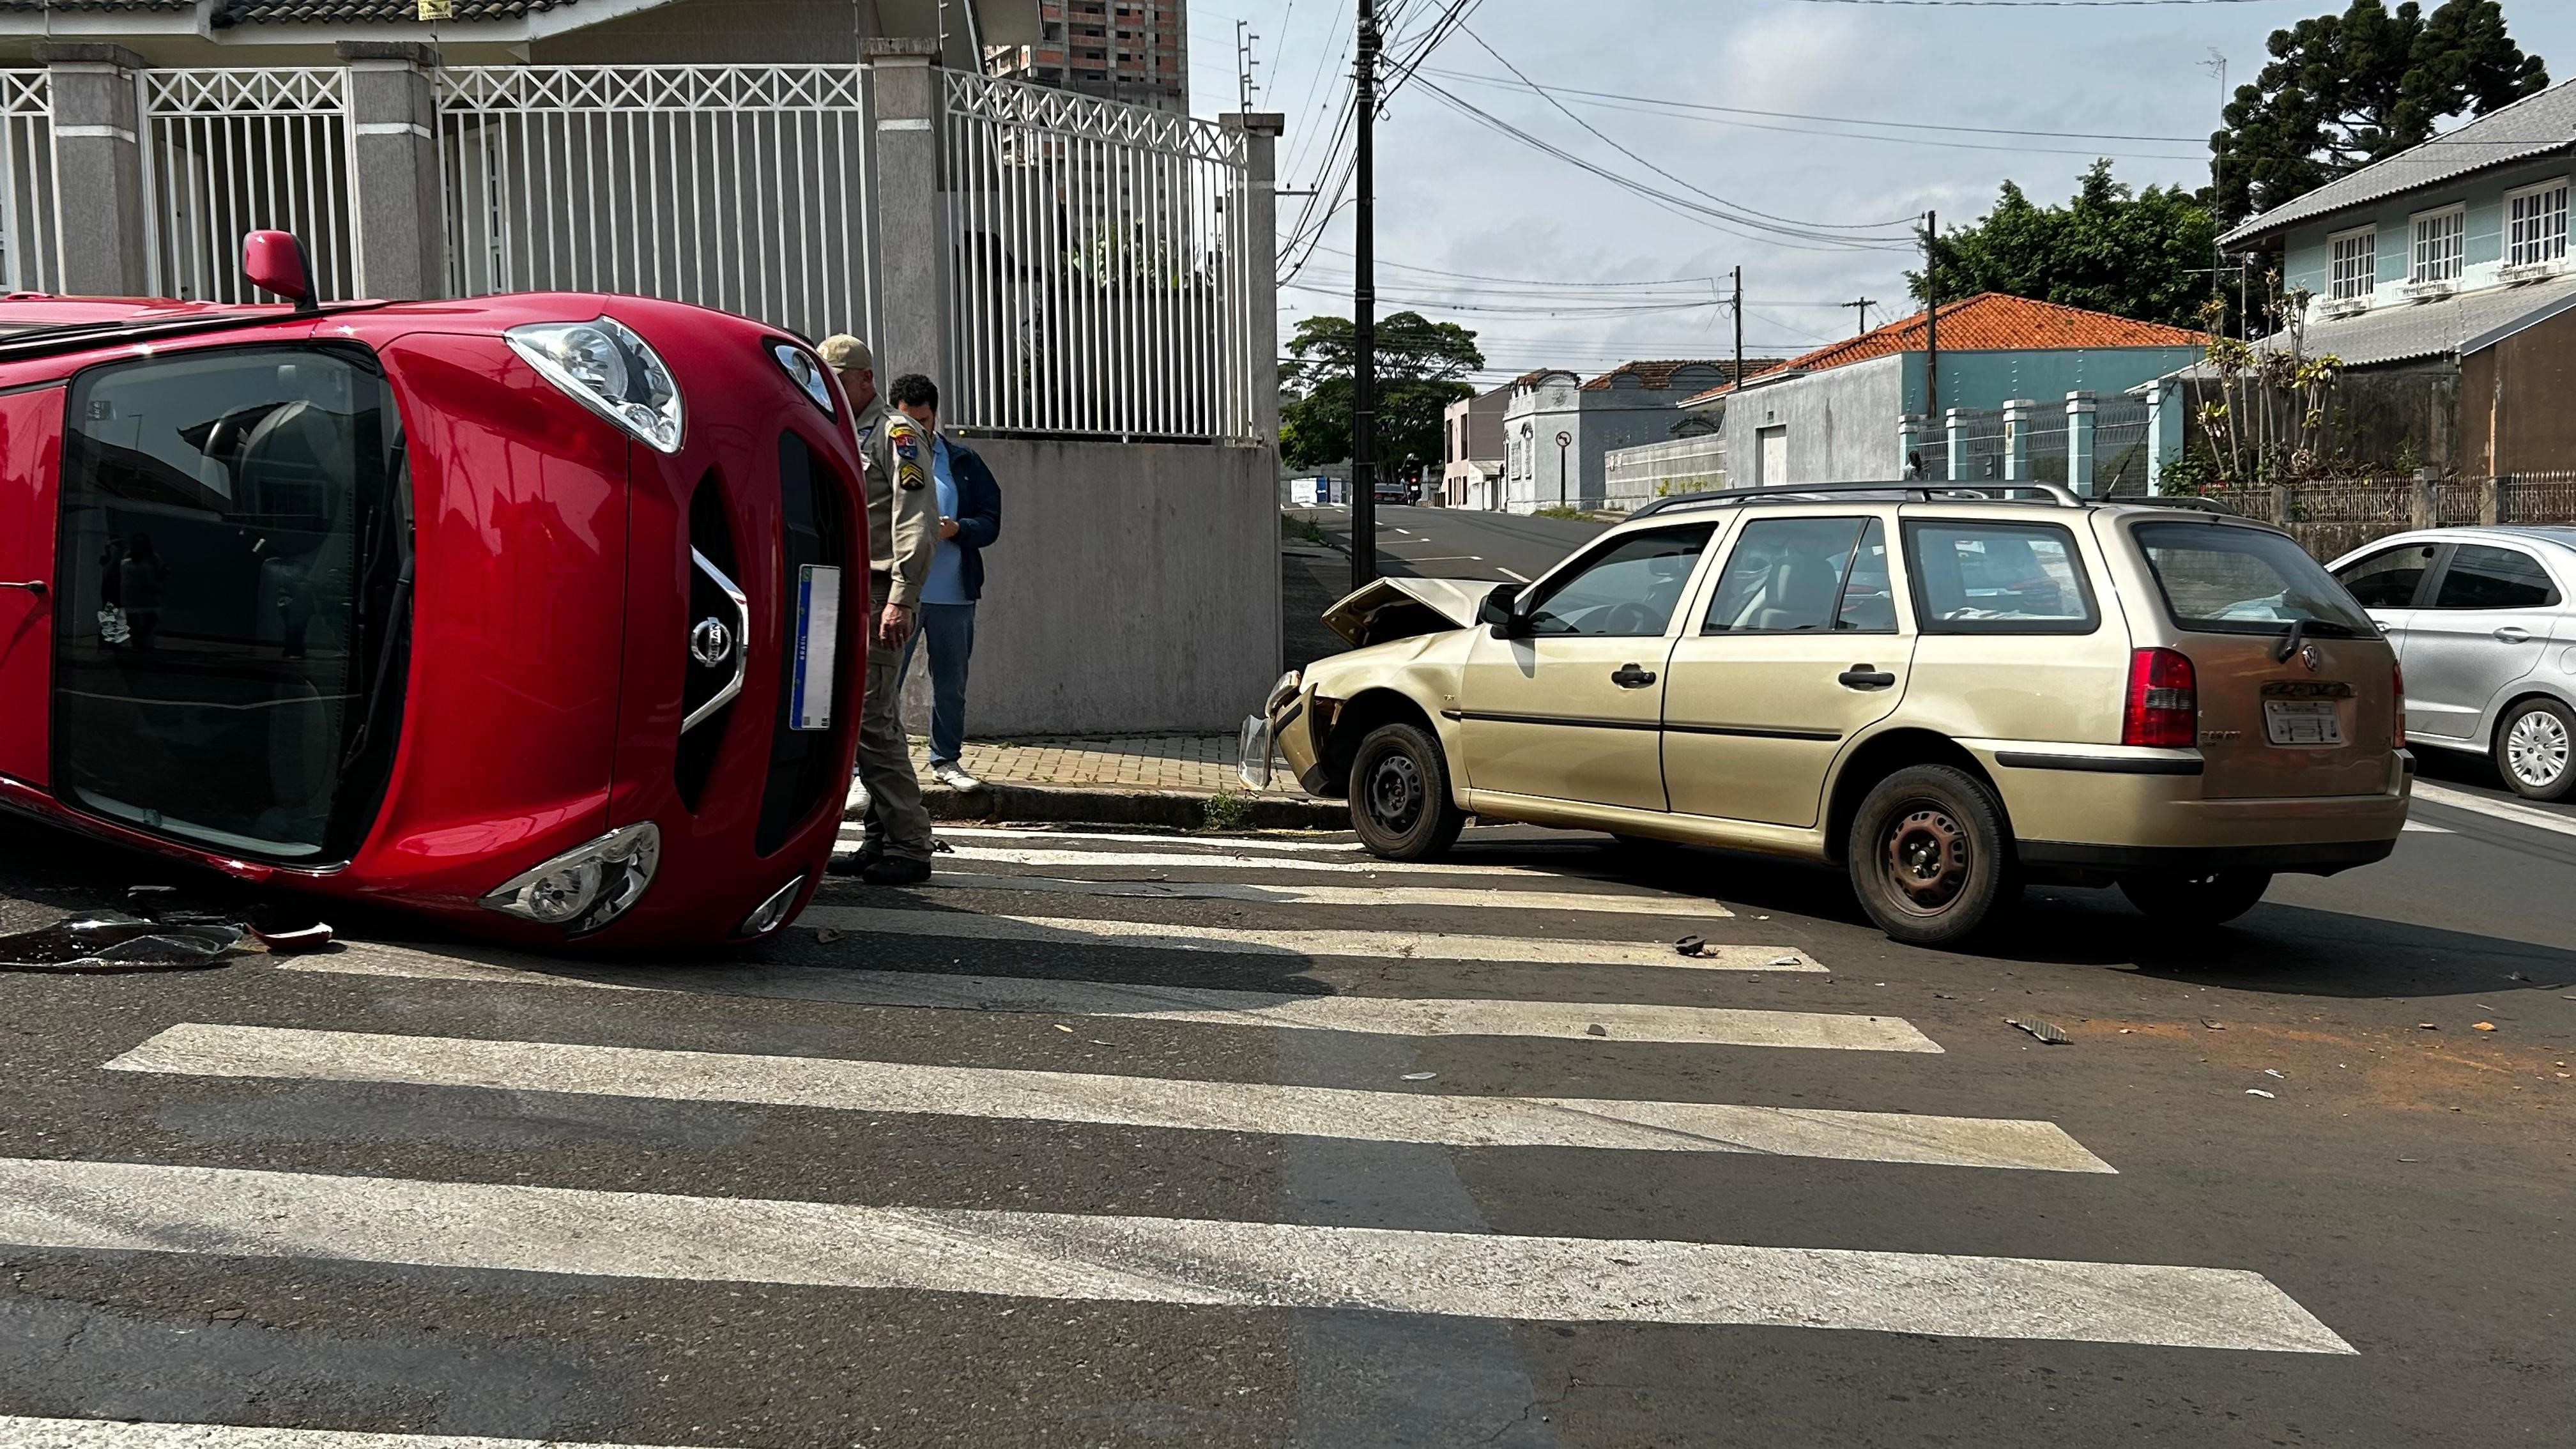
{"points": [[1243, 61], [1738, 380], [1364, 310], [2217, 65], [1864, 304], [1931, 318]]}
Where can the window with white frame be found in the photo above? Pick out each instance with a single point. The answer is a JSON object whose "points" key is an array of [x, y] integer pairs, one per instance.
{"points": [[2535, 221], [2355, 266], [2439, 245]]}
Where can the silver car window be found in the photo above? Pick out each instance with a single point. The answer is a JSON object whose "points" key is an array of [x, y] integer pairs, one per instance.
{"points": [[2482, 576], [2390, 578]]}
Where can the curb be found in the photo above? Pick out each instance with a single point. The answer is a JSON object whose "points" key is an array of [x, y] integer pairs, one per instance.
{"points": [[1094, 805]]}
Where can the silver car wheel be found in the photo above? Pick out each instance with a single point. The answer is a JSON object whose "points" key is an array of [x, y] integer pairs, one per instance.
{"points": [[2536, 749]]}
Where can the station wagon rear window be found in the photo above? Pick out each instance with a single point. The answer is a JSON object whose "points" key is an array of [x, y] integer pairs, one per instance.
{"points": [[2225, 579], [1975, 577]]}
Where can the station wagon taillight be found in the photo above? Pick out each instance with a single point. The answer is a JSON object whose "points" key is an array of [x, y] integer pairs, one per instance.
{"points": [[2397, 690], [2164, 700]]}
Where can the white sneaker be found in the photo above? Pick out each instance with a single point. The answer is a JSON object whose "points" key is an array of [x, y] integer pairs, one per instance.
{"points": [[954, 776]]}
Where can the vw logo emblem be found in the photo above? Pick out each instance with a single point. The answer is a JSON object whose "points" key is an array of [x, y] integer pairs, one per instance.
{"points": [[2308, 656], [711, 643]]}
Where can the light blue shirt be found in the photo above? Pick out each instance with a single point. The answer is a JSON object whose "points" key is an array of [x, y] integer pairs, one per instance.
{"points": [[947, 581]]}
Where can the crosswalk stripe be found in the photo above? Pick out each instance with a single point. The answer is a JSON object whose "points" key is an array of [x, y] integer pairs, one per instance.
{"points": [[17, 1432], [1605, 903], [235, 1212], [197, 1049], [1230, 940], [1206, 1006], [1226, 842], [1176, 860]]}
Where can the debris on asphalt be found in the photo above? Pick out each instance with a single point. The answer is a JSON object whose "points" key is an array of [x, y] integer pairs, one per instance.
{"points": [[2482, 1026], [1692, 946], [295, 940], [1420, 1076], [1596, 1029], [826, 934], [2213, 1025], [2046, 1033], [109, 941], [2276, 1072], [1060, 1026], [941, 847], [1792, 961], [2426, 1026], [2259, 1092]]}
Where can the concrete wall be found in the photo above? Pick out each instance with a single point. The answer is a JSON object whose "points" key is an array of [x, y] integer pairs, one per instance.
{"points": [[717, 32], [1598, 421], [1136, 587], [1841, 422]]}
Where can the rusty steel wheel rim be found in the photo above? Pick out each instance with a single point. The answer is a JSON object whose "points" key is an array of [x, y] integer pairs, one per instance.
{"points": [[1396, 793], [1927, 859]]}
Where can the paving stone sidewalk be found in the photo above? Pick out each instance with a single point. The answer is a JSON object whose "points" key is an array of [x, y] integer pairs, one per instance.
{"points": [[1137, 762]]}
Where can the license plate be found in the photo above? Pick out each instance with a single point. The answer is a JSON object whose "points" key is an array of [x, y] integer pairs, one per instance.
{"points": [[818, 637], [2302, 722]]}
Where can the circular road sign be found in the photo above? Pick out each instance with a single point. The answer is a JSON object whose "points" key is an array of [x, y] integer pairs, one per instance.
{"points": [[1565, 440]]}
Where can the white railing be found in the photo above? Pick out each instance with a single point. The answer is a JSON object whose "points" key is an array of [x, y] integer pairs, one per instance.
{"points": [[1099, 280], [1633, 477], [738, 187], [30, 230], [230, 151]]}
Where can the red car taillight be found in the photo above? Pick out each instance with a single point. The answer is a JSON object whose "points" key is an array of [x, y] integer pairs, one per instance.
{"points": [[2397, 688], [2164, 700]]}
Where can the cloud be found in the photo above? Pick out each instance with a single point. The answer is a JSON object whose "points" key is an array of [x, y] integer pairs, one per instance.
{"points": [[1805, 58]]}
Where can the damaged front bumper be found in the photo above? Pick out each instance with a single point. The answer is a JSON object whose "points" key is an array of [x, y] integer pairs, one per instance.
{"points": [[1291, 715]]}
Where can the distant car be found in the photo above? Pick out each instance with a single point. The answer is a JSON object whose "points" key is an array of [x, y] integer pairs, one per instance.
{"points": [[1391, 490], [2483, 622], [1945, 693], [515, 611]]}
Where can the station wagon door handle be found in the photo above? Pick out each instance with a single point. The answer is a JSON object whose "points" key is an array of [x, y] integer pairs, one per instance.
{"points": [[1629, 676], [1861, 676], [2513, 634]]}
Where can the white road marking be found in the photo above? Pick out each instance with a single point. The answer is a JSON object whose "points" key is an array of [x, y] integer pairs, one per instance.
{"points": [[1204, 1006], [130, 1207], [2537, 819], [1297, 895], [1175, 860], [1514, 574], [1241, 941], [2418, 827], [196, 1049], [1215, 842], [25, 1433]]}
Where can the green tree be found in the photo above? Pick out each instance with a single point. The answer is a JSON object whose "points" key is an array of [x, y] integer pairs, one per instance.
{"points": [[1421, 368], [2142, 254], [2342, 91]]}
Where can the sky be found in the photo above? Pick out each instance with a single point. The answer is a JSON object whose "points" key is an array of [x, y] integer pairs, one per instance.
{"points": [[1563, 268]]}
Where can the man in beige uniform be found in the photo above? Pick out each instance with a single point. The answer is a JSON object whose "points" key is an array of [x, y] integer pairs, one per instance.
{"points": [[903, 531]]}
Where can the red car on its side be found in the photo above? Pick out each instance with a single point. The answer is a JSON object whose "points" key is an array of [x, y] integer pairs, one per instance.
{"points": [[523, 612]]}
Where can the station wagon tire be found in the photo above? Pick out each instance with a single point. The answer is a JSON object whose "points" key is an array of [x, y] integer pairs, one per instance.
{"points": [[1400, 799], [1929, 856], [2197, 900], [2535, 749]]}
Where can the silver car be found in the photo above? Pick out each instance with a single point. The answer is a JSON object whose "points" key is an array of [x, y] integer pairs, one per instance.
{"points": [[2486, 637]]}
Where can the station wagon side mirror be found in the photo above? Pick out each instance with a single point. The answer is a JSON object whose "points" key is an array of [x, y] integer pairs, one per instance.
{"points": [[1497, 611], [273, 261]]}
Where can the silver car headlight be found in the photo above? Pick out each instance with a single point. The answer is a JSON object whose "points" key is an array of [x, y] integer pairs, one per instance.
{"points": [[586, 887], [806, 372], [609, 370]]}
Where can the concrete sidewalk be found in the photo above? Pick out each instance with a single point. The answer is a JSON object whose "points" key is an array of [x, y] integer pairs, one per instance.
{"points": [[1183, 782]]}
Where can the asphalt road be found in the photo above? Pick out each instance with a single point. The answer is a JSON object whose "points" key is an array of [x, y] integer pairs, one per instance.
{"points": [[1269, 1144], [1452, 543]]}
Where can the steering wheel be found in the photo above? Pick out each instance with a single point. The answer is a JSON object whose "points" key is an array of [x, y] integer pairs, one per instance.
{"points": [[1629, 618]]}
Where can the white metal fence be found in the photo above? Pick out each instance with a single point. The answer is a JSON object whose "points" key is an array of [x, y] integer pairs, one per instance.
{"points": [[1634, 477], [231, 151], [739, 187], [1099, 277], [30, 252]]}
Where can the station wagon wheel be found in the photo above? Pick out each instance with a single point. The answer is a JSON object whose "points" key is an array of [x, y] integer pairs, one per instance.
{"points": [[1401, 805], [1929, 855], [2533, 749]]}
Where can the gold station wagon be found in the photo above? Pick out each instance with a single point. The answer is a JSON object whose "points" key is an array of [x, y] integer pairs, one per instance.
{"points": [[1948, 692]]}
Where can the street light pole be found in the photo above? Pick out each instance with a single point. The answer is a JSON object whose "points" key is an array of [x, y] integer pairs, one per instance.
{"points": [[1561, 440], [1364, 310]]}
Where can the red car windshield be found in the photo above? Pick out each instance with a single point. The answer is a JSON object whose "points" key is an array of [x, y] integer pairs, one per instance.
{"points": [[235, 565]]}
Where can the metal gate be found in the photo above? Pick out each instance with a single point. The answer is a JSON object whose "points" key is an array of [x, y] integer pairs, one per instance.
{"points": [[231, 151], [30, 247], [738, 187]]}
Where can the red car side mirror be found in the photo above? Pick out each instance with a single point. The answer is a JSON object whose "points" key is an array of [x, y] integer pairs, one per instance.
{"points": [[273, 261]]}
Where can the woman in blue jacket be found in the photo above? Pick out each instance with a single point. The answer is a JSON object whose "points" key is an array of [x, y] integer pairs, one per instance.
{"points": [[970, 518]]}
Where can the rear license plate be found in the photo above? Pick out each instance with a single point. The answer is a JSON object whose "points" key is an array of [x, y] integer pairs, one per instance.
{"points": [[818, 637], [2302, 722]]}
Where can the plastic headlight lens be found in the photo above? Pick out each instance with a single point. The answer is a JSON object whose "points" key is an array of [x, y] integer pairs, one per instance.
{"points": [[587, 887], [805, 372], [1280, 693], [608, 369]]}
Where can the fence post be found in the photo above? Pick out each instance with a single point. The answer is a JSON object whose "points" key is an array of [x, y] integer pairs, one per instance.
{"points": [[2283, 505], [2017, 413], [2164, 430], [1257, 270], [396, 212], [2081, 408], [2425, 505], [100, 208], [1909, 440], [2495, 502], [1955, 445], [912, 322]]}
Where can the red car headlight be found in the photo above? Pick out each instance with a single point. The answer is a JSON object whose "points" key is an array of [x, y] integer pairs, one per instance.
{"points": [[587, 887], [606, 368]]}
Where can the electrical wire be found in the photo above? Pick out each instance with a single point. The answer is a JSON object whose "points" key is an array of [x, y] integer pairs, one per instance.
{"points": [[1670, 104]]}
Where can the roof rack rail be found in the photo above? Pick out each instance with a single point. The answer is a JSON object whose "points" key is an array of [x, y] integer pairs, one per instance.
{"points": [[2191, 501], [2052, 494]]}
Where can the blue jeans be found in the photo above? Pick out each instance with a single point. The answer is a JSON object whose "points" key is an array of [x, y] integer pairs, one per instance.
{"points": [[950, 630]]}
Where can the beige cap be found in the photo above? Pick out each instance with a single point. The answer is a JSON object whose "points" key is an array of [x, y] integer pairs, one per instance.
{"points": [[843, 353]]}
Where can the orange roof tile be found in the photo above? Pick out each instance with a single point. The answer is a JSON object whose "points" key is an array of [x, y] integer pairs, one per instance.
{"points": [[1991, 322]]}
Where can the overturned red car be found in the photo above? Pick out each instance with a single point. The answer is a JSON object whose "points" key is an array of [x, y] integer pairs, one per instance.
{"points": [[524, 612]]}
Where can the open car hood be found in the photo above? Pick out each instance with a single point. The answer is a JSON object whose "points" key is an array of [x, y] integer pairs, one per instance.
{"points": [[1401, 608]]}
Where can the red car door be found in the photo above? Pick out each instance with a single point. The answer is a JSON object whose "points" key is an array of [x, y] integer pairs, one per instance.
{"points": [[31, 449]]}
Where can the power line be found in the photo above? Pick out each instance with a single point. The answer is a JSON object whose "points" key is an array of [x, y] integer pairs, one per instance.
{"points": [[2038, 4], [1811, 116]]}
